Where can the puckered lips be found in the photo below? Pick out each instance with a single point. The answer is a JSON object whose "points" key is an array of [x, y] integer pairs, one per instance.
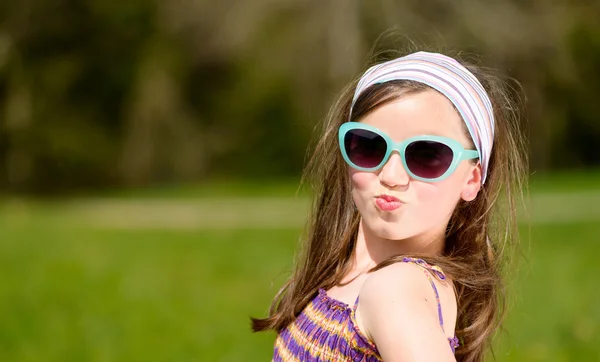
{"points": [[388, 202]]}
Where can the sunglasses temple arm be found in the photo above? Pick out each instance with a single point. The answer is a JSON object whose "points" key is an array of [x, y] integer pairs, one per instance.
{"points": [[470, 154]]}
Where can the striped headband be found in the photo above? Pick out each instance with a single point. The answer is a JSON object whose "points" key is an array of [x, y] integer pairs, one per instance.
{"points": [[450, 78]]}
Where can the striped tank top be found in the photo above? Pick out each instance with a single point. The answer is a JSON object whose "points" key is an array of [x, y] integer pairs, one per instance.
{"points": [[326, 330]]}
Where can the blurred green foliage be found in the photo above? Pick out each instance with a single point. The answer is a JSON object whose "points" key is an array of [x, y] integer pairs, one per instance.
{"points": [[106, 93]]}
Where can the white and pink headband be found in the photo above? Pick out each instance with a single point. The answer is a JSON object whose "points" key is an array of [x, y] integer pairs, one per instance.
{"points": [[449, 77]]}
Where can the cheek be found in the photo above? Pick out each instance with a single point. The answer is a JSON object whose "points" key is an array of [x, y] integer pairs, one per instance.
{"points": [[364, 185], [429, 200], [441, 196], [362, 180]]}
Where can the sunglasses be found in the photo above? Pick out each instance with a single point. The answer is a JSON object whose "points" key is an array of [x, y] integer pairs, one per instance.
{"points": [[425, 158]]}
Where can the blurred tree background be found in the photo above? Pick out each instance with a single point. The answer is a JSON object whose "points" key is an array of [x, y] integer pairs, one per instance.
{"points": [[105, 93]]}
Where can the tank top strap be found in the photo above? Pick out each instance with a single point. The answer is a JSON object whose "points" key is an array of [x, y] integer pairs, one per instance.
{"points": [[429, 269]]}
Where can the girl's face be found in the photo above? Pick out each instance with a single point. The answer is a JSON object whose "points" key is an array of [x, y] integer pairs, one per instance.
{"points": [[425, 207]]}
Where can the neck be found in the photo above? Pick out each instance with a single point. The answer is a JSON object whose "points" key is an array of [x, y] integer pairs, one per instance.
{"points": [[371, 249]]}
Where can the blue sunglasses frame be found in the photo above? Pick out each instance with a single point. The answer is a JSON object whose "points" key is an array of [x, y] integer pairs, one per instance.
{"points": [[459, 153]]}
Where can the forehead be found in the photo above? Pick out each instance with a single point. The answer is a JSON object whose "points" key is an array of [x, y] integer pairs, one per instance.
{"points": [[414, 114]]}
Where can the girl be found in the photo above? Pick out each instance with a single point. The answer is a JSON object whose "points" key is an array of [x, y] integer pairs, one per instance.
{"points": [[403, 260]]}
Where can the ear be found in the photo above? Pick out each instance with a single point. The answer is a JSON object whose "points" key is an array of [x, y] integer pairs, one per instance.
{"points": [[473, 184]]}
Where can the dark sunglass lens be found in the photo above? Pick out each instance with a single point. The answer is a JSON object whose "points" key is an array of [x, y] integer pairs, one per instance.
{"points": [[365, 148], [428, 159]]}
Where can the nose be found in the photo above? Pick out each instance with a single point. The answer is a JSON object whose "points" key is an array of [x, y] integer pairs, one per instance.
{"points": [[393, 173]]}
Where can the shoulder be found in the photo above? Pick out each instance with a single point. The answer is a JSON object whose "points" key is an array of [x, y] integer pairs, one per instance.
{"points": [[398, 312], [393, 279], [399, 284]]}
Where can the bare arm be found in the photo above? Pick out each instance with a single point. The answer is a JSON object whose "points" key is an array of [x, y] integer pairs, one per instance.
{"points": [[398, 311]]}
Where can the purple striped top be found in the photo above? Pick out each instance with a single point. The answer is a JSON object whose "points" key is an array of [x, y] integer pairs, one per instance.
{"points": [[326, 330]]}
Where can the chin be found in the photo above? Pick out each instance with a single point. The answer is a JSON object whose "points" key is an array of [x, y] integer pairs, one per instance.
{"points": [[389, 230], [394, 235]]}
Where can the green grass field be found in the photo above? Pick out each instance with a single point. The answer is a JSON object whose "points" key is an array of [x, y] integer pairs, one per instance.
{"points": [[127, 290]]}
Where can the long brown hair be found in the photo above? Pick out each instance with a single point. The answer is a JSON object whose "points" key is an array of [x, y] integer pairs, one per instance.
{"points": [[479, 235]]}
